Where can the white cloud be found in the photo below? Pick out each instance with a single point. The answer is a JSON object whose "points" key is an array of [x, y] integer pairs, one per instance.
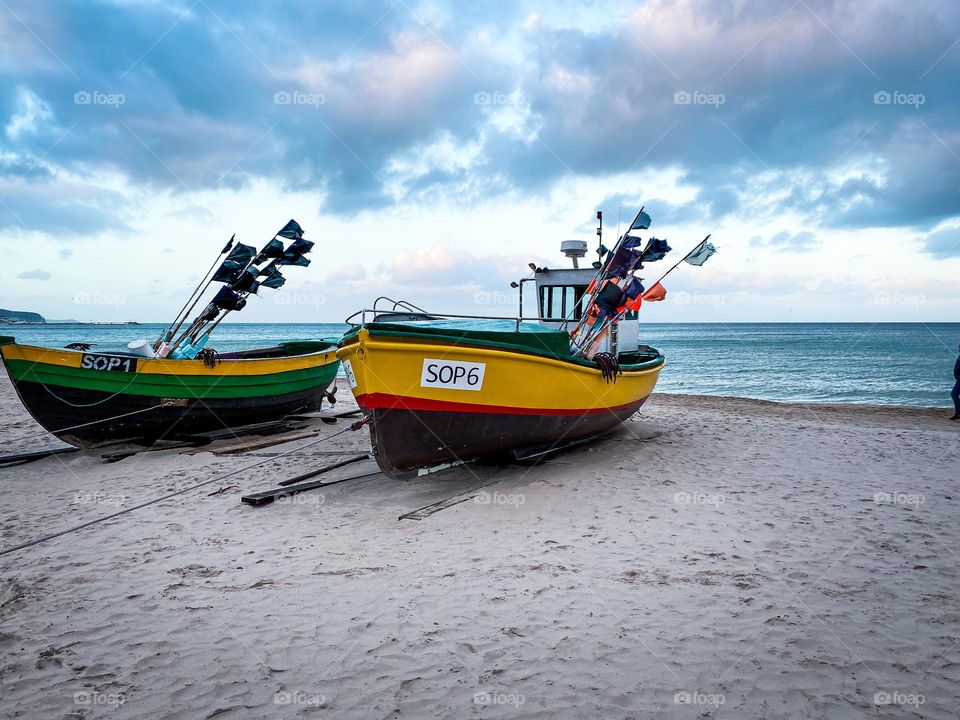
{"points": [[31, 114]]}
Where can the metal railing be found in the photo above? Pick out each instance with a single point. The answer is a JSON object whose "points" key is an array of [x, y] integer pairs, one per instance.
{"points": [[410, 308]]}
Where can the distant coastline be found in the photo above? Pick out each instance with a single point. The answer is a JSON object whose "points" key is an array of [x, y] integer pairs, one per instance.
{"points": [[21, 317], [121, 323]]}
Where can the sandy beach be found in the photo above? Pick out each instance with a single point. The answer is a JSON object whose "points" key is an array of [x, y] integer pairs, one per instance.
{"points": [[717, 557]]}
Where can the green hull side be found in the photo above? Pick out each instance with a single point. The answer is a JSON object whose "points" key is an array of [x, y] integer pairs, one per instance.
{"points": [[174, 386]]}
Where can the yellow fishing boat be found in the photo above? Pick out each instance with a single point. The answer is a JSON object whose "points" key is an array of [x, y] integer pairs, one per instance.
{"points": [[444, 388], [454, 389]]}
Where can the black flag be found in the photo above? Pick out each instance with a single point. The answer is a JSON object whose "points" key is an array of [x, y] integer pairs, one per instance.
{"points": [[227, 299], [247, 282], [271, 251], [291, 231]]}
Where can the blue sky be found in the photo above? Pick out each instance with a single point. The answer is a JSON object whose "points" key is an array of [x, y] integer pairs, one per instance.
{"points": [[432, 149]]}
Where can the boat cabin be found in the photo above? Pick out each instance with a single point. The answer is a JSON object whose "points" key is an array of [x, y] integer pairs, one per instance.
{"points": [[562, 297]]}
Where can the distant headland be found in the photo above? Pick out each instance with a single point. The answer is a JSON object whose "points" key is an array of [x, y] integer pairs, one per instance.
{"points": [[23, 317]]}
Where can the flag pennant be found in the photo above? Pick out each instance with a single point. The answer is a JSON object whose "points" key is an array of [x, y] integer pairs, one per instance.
{"points": [[291, 231], [621, 262], [293, 259], [634, 288], [631, 295], [642, 222], [631, 242], [230, 269], [656, 250], [701, 253], [299, 246], [273, 278], [656, 293], [274, 282], [228, 272], [247, 282], [227, 299], [271, 251], [242, 254]]}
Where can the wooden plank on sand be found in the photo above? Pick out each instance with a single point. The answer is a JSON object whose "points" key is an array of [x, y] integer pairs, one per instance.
{"points": [[320, 471], [268, 496], [256, 444], [21, 458]]}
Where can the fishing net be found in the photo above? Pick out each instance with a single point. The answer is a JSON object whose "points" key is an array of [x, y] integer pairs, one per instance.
{"points": [[609, 365], [209, 356]]}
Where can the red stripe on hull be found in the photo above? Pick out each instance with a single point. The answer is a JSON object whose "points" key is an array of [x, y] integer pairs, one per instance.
{"points": [[385, 401]]}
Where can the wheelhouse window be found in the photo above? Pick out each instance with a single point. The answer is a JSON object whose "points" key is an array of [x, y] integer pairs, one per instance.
{"points": [[562, 302]]}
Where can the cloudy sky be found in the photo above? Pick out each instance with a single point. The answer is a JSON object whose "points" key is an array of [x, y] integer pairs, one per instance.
{"points": [[432, 149]]}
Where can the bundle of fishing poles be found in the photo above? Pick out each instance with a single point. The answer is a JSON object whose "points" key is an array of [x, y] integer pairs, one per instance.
{"points": [[242, 272], [616, 290]]}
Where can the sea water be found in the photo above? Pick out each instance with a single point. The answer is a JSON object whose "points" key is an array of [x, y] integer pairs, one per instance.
{"points": [[877, 363]]}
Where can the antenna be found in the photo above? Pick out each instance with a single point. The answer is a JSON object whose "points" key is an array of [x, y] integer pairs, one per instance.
{"points": [[599, 230], [574, 249]]}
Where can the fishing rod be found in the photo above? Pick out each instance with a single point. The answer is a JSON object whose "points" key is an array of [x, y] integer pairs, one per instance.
{"points": [[242, 285], [607, 322], [601, 271], [683, 258], [193, 331], [596, 331], [205, 281], [204, 332]]}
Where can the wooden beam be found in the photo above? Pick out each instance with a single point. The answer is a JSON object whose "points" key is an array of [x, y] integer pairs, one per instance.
{"points": [[268, 496], [320, 471], [21, 458]]}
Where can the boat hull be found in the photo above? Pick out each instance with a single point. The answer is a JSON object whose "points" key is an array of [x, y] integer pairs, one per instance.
{"points": [[74, 396], [405, 440], [524, 400]]}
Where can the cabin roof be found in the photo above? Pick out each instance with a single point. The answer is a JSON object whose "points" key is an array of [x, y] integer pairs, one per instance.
{"points": [[565, 276]]}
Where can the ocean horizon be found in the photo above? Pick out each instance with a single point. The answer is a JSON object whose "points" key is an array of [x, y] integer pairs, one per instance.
{"points": [[892, 363]]}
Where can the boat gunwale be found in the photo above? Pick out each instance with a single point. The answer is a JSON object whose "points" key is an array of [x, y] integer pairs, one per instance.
{"points": [[162, 362], [421, 339]]}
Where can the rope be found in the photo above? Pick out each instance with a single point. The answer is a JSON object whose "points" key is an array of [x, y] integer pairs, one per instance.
{"points": [[36, 541], [93, 422], [93, 404]]}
